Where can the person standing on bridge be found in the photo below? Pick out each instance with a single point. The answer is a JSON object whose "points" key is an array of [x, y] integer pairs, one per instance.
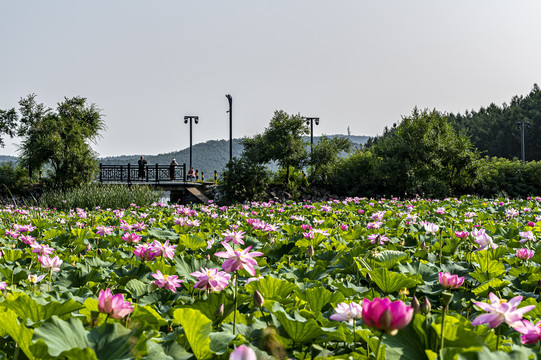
{"points": [[172, 168], [141, 173]]}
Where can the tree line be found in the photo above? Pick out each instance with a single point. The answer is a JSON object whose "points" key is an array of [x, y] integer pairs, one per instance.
{"points": [[427, 153]]}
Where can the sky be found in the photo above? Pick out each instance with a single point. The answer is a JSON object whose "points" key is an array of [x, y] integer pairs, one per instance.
{"points": [[352, 63]]}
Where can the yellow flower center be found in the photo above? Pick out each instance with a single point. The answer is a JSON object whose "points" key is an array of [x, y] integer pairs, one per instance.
{"points": [[165, 277], [503, 301]]}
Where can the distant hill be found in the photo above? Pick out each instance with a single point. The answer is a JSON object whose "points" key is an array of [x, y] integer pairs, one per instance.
{"points": [[7, 158], [207, 156]]}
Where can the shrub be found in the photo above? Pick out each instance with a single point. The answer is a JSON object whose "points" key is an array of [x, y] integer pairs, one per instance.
{"points": [[92, 195], [14, 179], [243, 180]]}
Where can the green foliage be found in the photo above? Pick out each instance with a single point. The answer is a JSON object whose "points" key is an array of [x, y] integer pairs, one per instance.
{"points": [[493, 130], [14, 178], [281, 141], [8, 124], [243, 180], [513, 178], [325, 155], [58, 140], [422, 155], [107, 196], [356, 175]]}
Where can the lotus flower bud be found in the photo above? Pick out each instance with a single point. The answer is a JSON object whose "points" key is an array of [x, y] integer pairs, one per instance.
{"points": [[220, 311], [415, 305], [100, 251], [88, 247], [426, 307], [310, 251], [423, 245], [258, 299]]}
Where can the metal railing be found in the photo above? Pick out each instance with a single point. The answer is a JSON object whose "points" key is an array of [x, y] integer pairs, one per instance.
{"points": [[152, 173]]}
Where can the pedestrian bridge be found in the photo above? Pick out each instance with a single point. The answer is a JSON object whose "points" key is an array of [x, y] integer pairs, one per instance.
{"points": [[164, 177]]}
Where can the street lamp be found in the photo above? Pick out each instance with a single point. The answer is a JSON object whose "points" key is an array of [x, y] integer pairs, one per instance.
{"points": [[230, 100], [310, 121], [186, 119], [522, 146]]}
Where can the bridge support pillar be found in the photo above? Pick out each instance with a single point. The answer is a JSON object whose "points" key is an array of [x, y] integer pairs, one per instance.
{"points": [[176, 196]]}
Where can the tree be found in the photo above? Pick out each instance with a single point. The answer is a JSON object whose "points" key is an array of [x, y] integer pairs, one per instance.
{"points": [[59, 140], [325, 155], [424, 155], [243, 180], [281, 142], [8, 124]]}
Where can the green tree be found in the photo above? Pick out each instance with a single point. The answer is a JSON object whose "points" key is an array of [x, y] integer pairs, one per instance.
{"points": [[59, 139], [424, 155], [325, 155], [281, 142], [243, 180], [8, 124]]}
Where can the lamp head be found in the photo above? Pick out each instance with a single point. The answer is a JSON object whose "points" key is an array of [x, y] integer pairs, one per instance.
{"points": [[196, 119], [317, 121]]}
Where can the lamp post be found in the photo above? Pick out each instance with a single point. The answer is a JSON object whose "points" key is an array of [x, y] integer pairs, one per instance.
{"points": [[522, 146], [311, 120], [230, 100], [186, 119]]}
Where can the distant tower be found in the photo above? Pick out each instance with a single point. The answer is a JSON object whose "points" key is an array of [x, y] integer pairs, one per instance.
{"points": [[349, 132]]}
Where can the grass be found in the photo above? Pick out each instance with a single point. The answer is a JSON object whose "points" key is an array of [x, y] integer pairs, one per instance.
{"points": [[90, 196]]}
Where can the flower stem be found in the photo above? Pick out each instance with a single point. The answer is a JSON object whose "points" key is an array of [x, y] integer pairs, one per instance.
{"points": [[379, 344], [444, 310], [498, 338], [354, 330], [235, 309]]}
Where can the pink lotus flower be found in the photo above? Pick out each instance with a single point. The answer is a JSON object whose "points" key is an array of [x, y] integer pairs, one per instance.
{"points": [[531, 333], [243, 353], [50, 263], [238, 259], [211, 279], [42, 249], [3, 285], [344, 227], [34, 279], [378, 239], [384, 315], [114, 306], [171, 282], [131, 237], [27, 239], [139, 226], [430, 228], [145, 252], [526, 236], [165, 250], [499, 310], [24, 228], [462, 234], [525, 254], [104, 230], [449, 281], [347, 312], [234, 236], [374, 225], [485, 241]]}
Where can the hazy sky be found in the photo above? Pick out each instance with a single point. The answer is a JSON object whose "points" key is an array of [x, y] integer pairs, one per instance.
{"points": [[361, 64]]}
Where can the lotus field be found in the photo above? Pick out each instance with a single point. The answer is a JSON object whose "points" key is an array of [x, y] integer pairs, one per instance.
{"points": [[350, 279]]}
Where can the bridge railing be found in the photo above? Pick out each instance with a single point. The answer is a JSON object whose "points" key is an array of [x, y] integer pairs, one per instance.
{"points": [[130, 173]]}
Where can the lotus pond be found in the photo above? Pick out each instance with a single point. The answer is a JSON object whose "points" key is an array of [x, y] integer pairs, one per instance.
{"points": [[351, 279]]}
